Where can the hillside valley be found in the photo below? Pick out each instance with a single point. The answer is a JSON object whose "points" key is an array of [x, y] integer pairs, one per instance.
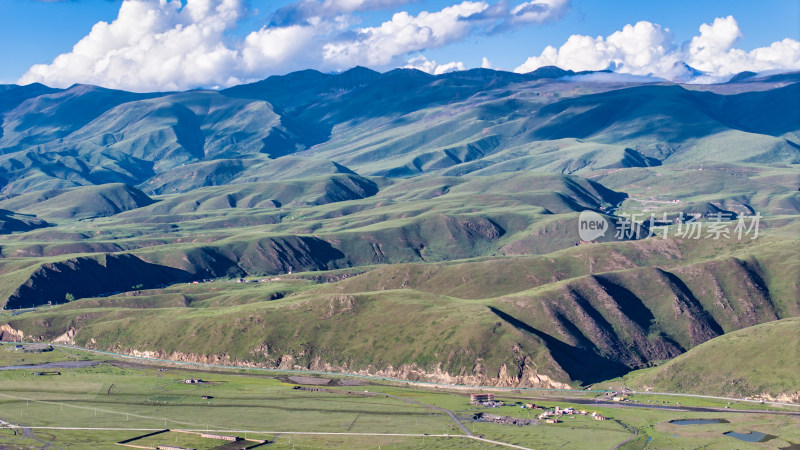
{"points": [[412, 226]]}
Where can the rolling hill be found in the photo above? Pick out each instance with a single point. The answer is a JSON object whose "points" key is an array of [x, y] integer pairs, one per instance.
{"points": [[756, 362], [402, 123], [577, 316], [410, 225], [79, 203]]}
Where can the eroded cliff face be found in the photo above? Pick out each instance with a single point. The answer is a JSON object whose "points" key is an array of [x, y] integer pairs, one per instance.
{"points": [[521, 373], [9, 334], [785, 397], [504, 377], [67, 338], [523, 376]]}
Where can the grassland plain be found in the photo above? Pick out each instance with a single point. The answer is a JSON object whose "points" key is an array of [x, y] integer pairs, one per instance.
{"points": [[132, 396]]}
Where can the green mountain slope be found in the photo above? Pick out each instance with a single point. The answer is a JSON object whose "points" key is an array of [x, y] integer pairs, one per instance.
{"points": [[401, 123], [759, 362], [577, 316], [79, 203], [416, 226]]}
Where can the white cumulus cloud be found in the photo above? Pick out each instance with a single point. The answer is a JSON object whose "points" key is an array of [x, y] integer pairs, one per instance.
{"points": [[403, 34], [713, 52], [539, 11], [151, 46], [304, 10], [182, 44], [649, 49], [641, 49], [432, 67], [273, 47], [406, 33]]}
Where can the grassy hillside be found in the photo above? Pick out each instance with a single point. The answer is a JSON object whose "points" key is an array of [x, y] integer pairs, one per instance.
{"points": [[730, 188], [576, 316], [251, 169], [405, 224], [316, 223], [759, 361], [402, 123], [79, 203]]}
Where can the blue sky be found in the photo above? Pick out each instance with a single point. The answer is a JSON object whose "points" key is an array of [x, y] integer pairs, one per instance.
{"points": [[762, 23], [36, 32]]}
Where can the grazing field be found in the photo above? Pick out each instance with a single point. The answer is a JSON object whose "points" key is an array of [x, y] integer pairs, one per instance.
{"points": [[123, 395]]}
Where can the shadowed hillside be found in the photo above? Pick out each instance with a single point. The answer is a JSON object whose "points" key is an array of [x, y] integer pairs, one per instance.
{"points": [[577, 316], [400, 123], [413, 226], [11, 222], [79, 203]]}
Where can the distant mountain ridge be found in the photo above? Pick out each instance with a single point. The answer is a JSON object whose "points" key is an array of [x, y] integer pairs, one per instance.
{"points": [[408, 225], [400, 123]]}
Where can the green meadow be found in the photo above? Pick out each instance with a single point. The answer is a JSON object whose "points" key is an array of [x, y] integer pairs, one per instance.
{"points": [[128, 395]]}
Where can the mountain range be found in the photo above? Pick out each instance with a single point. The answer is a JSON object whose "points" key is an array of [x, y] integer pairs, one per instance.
{"points": [[408, 225], [401, 123]]}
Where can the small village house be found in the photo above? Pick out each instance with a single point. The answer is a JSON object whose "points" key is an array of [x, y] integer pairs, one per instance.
{"points": [[481, 398]]}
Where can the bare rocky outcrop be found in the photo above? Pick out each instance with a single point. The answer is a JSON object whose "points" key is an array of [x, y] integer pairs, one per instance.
{"points": [[177, 356], [784, 397], [67, 338], [340, 304], [504, 377], [9, 334], [286, 362]]}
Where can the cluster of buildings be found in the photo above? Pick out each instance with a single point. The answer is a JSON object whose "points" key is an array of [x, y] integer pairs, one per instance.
{"points": [[505, 420], [553, 416], [485, 400], [547, 415], [263, 280], [597, 416]]}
